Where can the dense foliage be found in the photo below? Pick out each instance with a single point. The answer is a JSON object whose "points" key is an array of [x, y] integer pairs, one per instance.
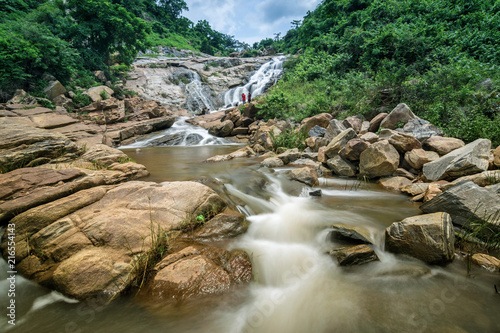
{"points": [[441, 57], [70, 39]]}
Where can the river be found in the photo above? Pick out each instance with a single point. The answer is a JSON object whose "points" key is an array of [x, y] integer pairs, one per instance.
{"points": [[297, 286]]}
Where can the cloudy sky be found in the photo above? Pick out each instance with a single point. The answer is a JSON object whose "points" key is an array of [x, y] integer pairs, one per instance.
{"points": [[249, 21]]}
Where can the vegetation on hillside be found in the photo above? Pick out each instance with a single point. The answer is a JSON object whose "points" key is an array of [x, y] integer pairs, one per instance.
{"points": [[70, 39], [441, 57]]}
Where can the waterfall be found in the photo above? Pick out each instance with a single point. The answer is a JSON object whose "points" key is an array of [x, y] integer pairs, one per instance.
{"points": [[197, 97], [266, 75], [180, 134]]}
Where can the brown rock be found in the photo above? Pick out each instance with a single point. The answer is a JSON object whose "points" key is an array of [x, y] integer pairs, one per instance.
{"points": [[442, 145], [415, 188], [353, 122], [342, 167], [353, 149], [355, 255], [370, 137], [339, 142], [321, 120], [429, 238], [402, 142], [95, 93], [96, 272], [487, 262], [416, 158], [54, 89], [394, 183], [398, 117], [375, 122], [496, 157], [378, 160], [433, 190], [304, 175], [400, 172]]}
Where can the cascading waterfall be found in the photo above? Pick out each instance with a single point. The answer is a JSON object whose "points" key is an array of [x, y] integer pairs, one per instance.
{"points": [[266, 75], [180, 134], [197, 97]]}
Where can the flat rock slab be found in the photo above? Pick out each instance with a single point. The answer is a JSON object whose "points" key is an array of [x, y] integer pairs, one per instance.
{"points": [[32, 111], [48, 121]]}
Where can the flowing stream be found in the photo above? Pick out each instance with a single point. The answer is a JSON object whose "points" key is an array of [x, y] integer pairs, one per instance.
{"points": [[297, 286], [263, 78]]}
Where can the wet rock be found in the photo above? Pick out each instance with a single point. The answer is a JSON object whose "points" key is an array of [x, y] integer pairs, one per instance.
{"points": [[378, 160], [316, 193], [402, 142], [353, 149], [429, 238], [416, 158], [197, 271], [355, 255], [375, 122], [349, 235], [420, 129], [334, 128], [394, 183], [342, 167], [316, 131], [223, 129], [304, 175], [339, 142], [486, 262], [90, 273], [400, 115], [473, 158], [225, 225], [466, 203], [442, 145]]}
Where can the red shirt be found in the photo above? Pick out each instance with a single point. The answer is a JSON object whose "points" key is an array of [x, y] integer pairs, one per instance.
{"points": [[243, 97]]}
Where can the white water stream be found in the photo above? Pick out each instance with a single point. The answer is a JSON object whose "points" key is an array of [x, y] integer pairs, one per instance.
{"points": [[266, 75]]}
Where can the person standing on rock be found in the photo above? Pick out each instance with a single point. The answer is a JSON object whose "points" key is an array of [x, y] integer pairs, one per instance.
{"points": [[244, 98], [249, 97]]}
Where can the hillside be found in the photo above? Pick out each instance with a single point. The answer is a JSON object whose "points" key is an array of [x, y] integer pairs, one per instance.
{"points": [[442, 58], [69, 40]]}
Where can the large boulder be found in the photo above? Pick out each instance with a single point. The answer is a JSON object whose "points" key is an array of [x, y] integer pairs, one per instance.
{"points": [[222, 129], [306, 175], [442, 145], [321, 120], [402, 142], [198, 270], [342, 167], [416, 158], [378, 160], [429, 238], [84, 244], [104, 156], [473, 158], [23, 146], [400, 115], [467, 203], [420, 129], [353, 149], [290, 155], [496, 157]]}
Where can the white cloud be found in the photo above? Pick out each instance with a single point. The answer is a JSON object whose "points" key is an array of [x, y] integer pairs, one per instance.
{"points": [[249, 21]]}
